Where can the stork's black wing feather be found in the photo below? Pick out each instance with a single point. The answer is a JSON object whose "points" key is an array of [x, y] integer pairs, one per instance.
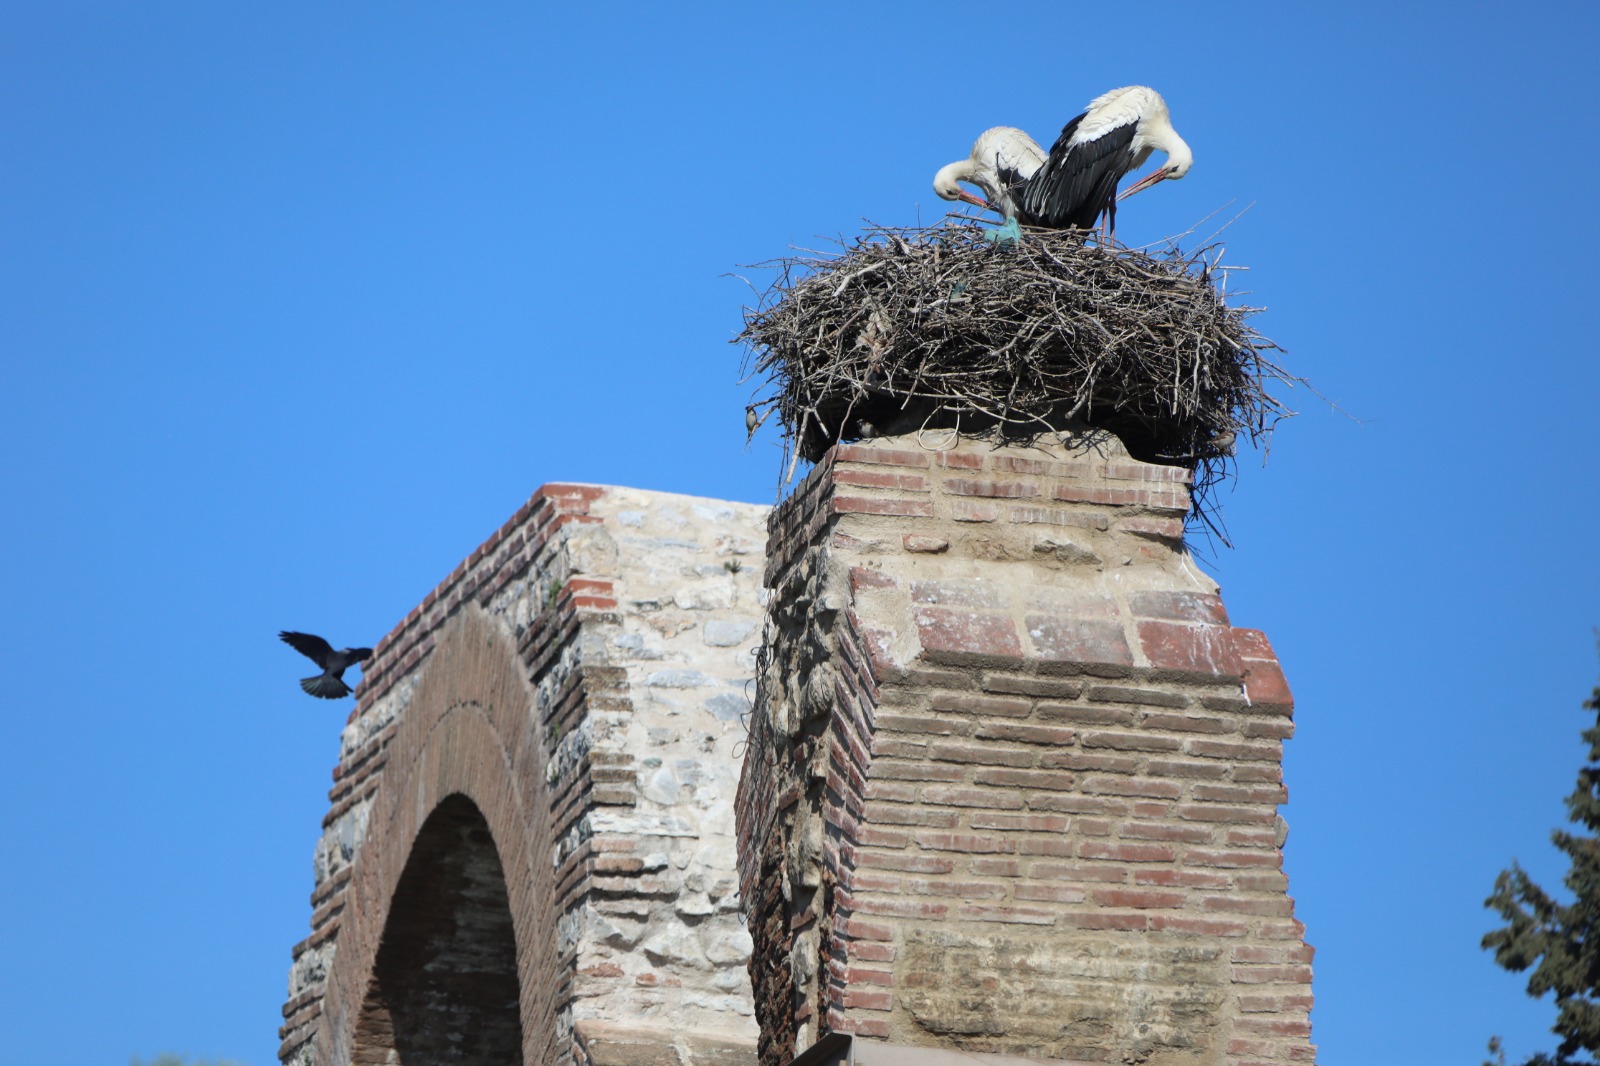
{"points": [[1079, 181], [312, 647]]}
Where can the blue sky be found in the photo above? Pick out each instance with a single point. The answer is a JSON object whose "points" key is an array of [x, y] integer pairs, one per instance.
{"points": [[298, 302]]}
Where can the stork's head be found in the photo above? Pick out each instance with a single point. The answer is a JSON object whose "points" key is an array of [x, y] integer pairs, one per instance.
{"points": [[1179, 159], [947, 183]]}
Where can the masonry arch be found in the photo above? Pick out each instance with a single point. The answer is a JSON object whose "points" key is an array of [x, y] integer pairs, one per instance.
{"points": [[450, 916], [444, 985]]}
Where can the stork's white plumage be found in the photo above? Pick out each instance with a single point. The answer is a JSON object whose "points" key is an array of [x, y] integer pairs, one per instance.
{"points": [[1003, 159], [1116, 133]]}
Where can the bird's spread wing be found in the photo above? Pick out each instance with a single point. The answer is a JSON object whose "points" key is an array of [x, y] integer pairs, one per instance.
{"points": [[1080, 177], [312, 647]]}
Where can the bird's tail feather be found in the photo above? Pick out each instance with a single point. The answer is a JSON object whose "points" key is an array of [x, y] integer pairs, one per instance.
{"points": [[325, 687]]}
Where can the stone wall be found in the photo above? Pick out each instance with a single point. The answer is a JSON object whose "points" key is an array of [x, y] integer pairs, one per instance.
{"points": [[1013, 776], [530, 838]]}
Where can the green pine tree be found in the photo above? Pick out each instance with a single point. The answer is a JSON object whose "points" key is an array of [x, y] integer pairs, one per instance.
{"points": [[1561, 942]]}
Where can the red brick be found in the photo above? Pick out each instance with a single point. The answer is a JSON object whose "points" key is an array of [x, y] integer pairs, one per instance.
{"points": [[870, 952], [910, 863], [1145, 526], [1229, 859], [1276, 1002], [1185, 723], [862, 577], [915, 771], [961, 889], [1086, 715], [982, 754], [1226, 749], [1136, 899], [1024, 685], [1126, 852], [892, 791], [1283, 1027], [1108, 920], [881, 480], [1155, 473], [1185, 834], [1191, 649], [1073, 803], [1265, 908], [964, 842], [1185, 878], [1273, 794], [1253, 644], [964, 633], [872, 836], [1000, 706], [866, 453], [1058, 516], [1027, 734], [1247, 974], [1013, 915], [897, 814], [963, 510], [1130, 741], [955, 796], [1197, 926], [866, 975], [996, 867], [1207, 812], [1077, 760], [900, 908], [1059, 638], [881, 506], [864, 881], [1179, 606], [1279, 728], [961, 460], [1132, 786], [1047, 779], [1078, 871], [1051, 893], [1053, 823], [865, 1000], [1006, 490]]}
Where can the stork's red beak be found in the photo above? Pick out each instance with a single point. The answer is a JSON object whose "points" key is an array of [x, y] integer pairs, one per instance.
{"points": [[967, 197], [1143, 183]]}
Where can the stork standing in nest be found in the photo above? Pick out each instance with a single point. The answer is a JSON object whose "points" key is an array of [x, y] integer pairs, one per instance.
{"points": [[1003, 159], [1076, 185]]}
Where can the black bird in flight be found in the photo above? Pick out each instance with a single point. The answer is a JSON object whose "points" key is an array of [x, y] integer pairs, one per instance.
{"points": [[329, 684]]}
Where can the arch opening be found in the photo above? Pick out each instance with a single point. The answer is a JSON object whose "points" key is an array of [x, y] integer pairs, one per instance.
{"points": [[444, 987]]}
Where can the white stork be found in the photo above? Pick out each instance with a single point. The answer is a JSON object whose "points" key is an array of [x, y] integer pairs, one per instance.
{"points": [[1115, 134], [1002, 160]]}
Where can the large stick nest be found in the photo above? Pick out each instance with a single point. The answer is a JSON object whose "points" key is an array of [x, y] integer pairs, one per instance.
{"points": [[906, 329]]}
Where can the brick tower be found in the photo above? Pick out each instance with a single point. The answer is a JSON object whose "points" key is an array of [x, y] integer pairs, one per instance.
{"points": [[1013, 777]]}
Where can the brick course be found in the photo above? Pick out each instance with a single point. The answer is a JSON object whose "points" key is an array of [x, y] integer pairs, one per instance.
{"points": [[1041, 748]]}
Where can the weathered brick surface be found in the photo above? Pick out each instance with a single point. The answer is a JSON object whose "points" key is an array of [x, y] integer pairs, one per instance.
{"points": [[543, 751], [1009, 748]]}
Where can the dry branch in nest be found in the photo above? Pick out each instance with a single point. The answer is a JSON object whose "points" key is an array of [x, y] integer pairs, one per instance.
{"points": [[906, 329]]}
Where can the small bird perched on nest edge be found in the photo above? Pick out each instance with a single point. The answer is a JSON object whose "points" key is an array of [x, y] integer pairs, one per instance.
{"points": [[329, 684]]}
